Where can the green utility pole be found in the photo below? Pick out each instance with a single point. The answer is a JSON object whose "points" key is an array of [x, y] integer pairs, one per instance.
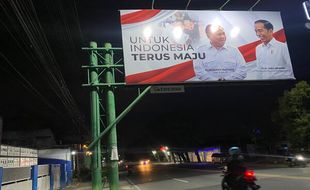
{"points": [[95, 120], [110, 117], [95, 72]]}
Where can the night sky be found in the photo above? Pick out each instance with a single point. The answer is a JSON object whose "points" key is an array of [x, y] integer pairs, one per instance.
{"points": [[41, 87]]}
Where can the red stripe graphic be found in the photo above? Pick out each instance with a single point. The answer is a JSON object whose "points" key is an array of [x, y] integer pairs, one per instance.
{"points": [[248, 50], [138, 16], [184, 71], [173, 74]]}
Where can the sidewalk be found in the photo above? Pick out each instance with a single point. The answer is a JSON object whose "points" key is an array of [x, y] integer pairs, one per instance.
{"points": [[124, 185]]}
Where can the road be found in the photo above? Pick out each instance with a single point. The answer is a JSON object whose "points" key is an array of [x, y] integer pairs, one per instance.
{"points": [[165, 177]]}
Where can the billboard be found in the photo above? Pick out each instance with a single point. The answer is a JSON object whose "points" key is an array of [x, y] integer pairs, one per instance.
{"points": [[175, 46]]}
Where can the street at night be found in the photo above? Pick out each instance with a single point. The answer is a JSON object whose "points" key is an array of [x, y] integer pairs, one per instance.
{"points": [[173, 178], [154, 94]]}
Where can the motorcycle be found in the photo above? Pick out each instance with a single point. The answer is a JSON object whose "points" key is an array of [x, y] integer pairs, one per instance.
{"points": [[244, 181]]}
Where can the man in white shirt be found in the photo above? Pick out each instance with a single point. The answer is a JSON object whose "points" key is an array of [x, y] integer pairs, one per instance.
{"points": [[221, 62], [272, 57]]}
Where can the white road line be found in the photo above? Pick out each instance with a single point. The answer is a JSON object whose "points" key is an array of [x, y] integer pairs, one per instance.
{"points": [[132, 183], [282, 176], [184, 181]]}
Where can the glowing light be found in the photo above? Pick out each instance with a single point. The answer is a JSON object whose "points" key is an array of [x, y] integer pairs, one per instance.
{"points": [[88, 153], [234, 32], [177, 32], [299, 157], [307, 8], [73, 152], [216, 21], [144, 162], [249, 173], [147, 32], [154, 152], [163, 148], [215, 25]]}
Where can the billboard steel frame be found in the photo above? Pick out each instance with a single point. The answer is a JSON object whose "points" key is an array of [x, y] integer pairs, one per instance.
{"points": [[101, 80]]}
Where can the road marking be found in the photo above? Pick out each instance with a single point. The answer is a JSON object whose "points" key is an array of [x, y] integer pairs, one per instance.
{"points": [[282, 176], [180, 180], [133, 184]]}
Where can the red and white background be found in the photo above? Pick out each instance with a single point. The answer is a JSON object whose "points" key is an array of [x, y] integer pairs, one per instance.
{"points": [[157, 49]]}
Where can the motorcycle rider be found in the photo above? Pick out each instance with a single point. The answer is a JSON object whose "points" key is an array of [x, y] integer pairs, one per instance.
{"points": [[236, 169]]}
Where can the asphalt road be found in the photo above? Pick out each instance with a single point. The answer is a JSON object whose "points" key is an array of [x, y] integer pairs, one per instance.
{"points": [[164, 177]]}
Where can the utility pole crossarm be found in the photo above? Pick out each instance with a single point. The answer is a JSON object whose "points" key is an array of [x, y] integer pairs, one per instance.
{"points": [[101, 66], [104, 84], [101, 48]]}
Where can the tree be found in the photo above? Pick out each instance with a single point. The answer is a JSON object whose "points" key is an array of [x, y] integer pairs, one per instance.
{"points": [[293, 115]]}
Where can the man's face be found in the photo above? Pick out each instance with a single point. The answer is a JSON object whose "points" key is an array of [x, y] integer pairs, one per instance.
{"points": [[264, 35], [217, 36]]}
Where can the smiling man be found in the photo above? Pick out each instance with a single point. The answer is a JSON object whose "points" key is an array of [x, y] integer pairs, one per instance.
{"points": [[222, 62], [272, 56]]}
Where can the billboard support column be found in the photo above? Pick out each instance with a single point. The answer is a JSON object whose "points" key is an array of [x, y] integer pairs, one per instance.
{"points": [[110, 117], [95, 121]]}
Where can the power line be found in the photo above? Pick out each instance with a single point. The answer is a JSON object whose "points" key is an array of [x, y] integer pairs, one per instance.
{"points": [[153, 1], [28, 19], [189, 1], [251, 8], [221, 7], [28, 84]]}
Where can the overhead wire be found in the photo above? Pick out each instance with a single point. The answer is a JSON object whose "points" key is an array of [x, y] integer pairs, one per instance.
{"points": [[28, 54], [71, 106], [251, 8], [37, 47], [27, 85], [65, 24], [153, 1], [77, 21], [34, 40], [26, 29], [68, 34], [188, 3], [221, 7], [40, 44], [56, 68]]}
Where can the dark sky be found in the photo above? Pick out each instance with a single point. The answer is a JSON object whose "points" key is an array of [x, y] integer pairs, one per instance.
{"points": [[41, 57]]}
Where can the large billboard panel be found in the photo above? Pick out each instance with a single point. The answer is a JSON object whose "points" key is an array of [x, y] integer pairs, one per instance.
{"points": [[175, 46]]}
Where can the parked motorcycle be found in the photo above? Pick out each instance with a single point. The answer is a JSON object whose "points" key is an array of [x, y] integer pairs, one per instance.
{"points": [[244, 181]]}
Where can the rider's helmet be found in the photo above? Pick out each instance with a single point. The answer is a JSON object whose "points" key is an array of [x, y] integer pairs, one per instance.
{"points": [[234, 151]]}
